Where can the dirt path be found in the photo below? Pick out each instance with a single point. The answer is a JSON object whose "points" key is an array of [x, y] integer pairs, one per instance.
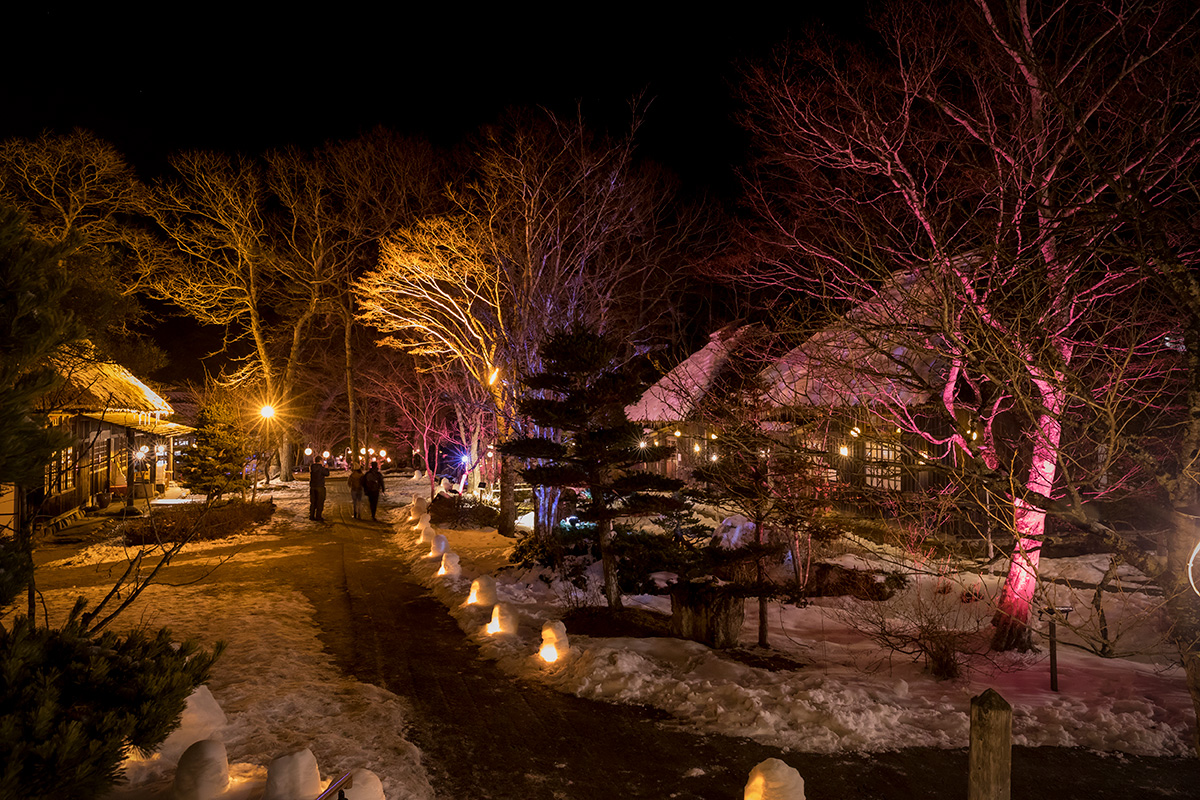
{"points": [[486, 735]]}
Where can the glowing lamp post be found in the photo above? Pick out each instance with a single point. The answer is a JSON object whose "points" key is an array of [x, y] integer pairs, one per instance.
{"points": [[267, 412]]}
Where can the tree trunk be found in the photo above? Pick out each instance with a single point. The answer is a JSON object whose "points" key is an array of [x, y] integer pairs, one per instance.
{"points": [[507, 524], [608, 559], [351, 402], [760, 575], [1011, 620], [285, 462]]}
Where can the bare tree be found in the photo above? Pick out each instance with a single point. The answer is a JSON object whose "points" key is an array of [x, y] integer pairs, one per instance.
{"points": [[236, 274], [78, 188], [338, 202], [995, 181], [972, 156], [561, 226]]}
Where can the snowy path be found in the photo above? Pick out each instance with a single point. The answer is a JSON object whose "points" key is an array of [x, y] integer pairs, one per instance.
{"points": [[483, 734], [478, 732]]}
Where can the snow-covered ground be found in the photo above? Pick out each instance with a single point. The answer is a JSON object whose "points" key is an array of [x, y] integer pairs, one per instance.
{"points": [[276, 687]]}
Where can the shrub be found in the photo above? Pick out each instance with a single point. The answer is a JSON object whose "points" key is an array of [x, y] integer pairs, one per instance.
{"points": [[462, 512], [71, 703], [196, 522]]}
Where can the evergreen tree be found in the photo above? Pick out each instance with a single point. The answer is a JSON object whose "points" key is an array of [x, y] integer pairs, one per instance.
{"points": [[216, 465], [32, 288], [580, 397], [71, 703]]}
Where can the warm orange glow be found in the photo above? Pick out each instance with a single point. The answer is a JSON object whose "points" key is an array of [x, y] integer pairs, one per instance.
{"points": [[308, 451], [442, 569], [267, 412], [843, 450], [473, 597], [325, 454], [494, 625], [383, 453], [549, 652], [492, 378]]}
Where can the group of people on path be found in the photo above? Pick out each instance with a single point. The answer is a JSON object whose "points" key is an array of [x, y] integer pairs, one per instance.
{"points": [[369, 483]]}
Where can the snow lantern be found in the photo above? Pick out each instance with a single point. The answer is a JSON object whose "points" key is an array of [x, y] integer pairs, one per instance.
{"points": [[423, 521], [483, 591], [201, 717], [202, 772], [445, 485], [364, 785], [437, 546], [450, 567], [417, 475], [427, 534], [774, 780], [504, 619], [554, 641], [291, 776]]}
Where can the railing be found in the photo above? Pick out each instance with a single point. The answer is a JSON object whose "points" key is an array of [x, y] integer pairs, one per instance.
{"points": [[337, 788]]}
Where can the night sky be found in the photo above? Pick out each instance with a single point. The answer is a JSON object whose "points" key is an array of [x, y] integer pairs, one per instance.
{"points": [[249, 82]]}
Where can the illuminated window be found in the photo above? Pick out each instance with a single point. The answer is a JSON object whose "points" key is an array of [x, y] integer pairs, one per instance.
{"points": [[882, 468]]}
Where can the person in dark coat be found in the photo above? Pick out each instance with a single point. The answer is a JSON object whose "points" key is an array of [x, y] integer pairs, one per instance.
{"points": [[373, 485], [355, 482], [316, 490]]}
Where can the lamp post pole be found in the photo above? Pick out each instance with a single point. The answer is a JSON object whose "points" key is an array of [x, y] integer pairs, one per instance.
{"points": [[267, 413]]}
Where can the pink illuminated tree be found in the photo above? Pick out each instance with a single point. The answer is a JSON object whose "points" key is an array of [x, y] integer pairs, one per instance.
{"points": [[953, 191]]}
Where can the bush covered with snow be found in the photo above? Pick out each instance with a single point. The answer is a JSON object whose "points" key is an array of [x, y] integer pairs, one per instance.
{"points": [[196, 521]]}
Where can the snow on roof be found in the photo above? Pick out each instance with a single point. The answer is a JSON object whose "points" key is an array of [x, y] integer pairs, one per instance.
{"points": [[104, 386], [873, 355], [677, 393]]}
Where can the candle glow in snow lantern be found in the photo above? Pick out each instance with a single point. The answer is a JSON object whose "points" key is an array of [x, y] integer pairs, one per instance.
{"points": [[450, 567], [554, 641], [483, 591], [504, 619]]}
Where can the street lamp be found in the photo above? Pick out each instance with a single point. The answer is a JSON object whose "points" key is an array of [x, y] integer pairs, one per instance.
{"points": [[267, 412]]}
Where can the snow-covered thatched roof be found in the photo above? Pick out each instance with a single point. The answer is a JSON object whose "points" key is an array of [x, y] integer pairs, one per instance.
{"points": [[875, 354], [675, 396], [97, 386]]}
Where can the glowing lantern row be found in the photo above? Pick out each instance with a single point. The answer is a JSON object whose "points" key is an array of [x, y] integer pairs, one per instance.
{"points": [[483, 591], [437, 546], [450, 567], [554, 641], [504, 619], [774, 780]]}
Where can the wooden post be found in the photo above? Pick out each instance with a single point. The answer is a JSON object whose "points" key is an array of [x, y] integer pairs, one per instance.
{"points": [[1053, 657], [990, 757]]}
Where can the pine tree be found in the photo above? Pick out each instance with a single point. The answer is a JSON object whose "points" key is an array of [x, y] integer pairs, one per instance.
{"points": [[216, 465], [580, 396]]}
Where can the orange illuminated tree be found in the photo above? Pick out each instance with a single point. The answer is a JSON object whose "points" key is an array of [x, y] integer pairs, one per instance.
{"points": [[559, 226], [236, 274]]}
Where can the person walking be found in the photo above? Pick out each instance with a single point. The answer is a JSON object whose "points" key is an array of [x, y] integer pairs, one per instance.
{"points": [[373, 485], [317, 474], [355, 482]]}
